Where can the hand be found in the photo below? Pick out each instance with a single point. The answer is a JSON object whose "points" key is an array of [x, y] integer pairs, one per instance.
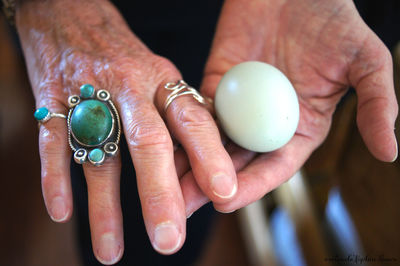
{"points": [[69, 43], [323, 47]]}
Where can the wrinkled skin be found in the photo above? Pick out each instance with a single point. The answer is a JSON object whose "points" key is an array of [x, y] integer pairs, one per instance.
{"points": [[322, 46], [70, 43]]}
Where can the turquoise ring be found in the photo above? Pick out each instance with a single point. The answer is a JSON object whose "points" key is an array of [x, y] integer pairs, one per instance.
{"points": [[42, 115], [94, 127]]}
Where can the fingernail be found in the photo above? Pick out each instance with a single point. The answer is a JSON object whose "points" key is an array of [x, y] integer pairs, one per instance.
{"points": [[223, 186], [109, 250], [190, 214], [58, 209], [167, 238], [225, 212]]}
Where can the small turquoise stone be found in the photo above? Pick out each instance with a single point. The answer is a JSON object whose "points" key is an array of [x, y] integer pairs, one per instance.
{"points": [[87, 91], [91, 122], [96, 155], [41, 113]]}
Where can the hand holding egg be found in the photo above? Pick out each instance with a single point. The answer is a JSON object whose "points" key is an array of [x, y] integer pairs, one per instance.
{"points": [[259, 112]]}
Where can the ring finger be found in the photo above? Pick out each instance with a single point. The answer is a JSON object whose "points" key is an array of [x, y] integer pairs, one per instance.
{"points": [[55, 161]]}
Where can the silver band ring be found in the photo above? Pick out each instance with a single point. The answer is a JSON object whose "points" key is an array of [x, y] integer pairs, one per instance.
{"points": [[181, 88], [42, 115]]}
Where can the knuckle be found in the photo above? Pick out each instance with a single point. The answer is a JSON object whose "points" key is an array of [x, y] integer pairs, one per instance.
{"points": [[134, 75], [192, 116], [49, 141], [157, 199], [129, 99], [47, 84], [164, 67], [383, 56], [128, 68], [163, 63], [141, 75], [49, 94], [126, 63], [386, 54], [147, 135]]}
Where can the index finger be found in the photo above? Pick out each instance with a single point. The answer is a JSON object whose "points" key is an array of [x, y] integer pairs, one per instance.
{"points": [[195, 128]]}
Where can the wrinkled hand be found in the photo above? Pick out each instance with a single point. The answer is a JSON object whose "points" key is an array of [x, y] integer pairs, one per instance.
{"points": [[323, 47], [69, 43]]}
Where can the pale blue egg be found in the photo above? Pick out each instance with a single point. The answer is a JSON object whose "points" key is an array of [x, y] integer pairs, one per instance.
{"points": [[257, 106]]}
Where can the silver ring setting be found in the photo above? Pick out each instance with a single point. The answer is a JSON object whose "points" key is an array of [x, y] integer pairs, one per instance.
{"points": [[181, 88], [42, 115], [94, 127]]}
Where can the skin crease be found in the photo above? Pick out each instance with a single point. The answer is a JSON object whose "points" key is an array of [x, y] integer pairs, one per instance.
{"points": [[69, 43], [323, 47]]}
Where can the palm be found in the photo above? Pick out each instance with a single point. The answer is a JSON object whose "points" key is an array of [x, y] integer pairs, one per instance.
{"points": [[323, 47], [315, 50]]}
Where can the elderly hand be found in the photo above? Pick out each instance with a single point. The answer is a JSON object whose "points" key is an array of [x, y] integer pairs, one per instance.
{"points": [[69, 43], [323, 47]]}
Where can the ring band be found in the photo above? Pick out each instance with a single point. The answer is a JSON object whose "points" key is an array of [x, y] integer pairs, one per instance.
{"points": [[94, 127], [181, 88], [42, 115]]}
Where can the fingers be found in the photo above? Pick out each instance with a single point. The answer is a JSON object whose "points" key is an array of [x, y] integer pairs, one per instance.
{"points": [[194, 127], [268, 171], [105, 215], [152, 153], [55, 157], [372, 76], [194, 197], [263, 174]]}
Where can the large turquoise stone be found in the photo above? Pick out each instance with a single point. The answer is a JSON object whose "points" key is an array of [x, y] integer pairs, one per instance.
{"points": [[91, 122]]}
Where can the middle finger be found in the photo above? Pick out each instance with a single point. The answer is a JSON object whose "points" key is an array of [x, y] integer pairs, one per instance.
{"points": [[105, 215], [152, 154]]}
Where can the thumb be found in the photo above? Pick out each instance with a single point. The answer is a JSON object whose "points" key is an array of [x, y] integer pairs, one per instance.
{"points": [[372, 75], [214, 70]]}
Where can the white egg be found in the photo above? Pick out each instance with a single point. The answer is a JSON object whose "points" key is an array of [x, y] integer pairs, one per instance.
{"points": [[257, 106]]}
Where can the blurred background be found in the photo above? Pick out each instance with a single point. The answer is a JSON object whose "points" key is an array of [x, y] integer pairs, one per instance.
{"points": [[343, 208]]}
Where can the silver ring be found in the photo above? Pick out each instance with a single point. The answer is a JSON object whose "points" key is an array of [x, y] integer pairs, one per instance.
{"points": [[181, 88], [94, 127], [42, 115]]}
